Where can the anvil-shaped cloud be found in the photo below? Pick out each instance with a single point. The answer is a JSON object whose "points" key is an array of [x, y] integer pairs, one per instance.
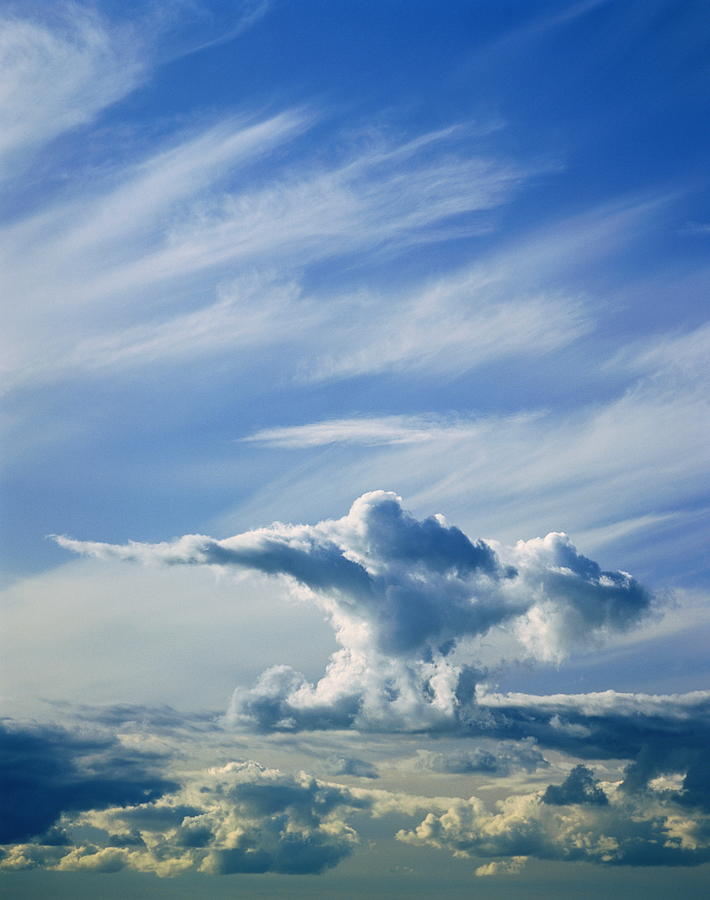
{"points": [[402, 594]]}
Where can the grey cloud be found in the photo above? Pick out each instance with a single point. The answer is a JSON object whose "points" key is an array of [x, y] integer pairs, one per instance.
{"points": [[607, 724], [660, 735], [46, 771], [240, 818], [580, 786]]}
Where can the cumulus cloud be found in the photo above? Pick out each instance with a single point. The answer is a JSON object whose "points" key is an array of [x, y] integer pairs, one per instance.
{"points": [[580, 786], [642, 830], [47, 771], [238, 818], [501, 867], [401, 595]]}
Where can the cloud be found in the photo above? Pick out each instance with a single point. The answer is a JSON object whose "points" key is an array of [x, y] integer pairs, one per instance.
{"points": [[406, 598], [155, 719], [237, 818], [498, 760], [47, 771], [466, 319], [599, 725], [585, 470], [401, 595], [373, 431], [185, 241], [59, 73], [647, 830], [660, 734], [244, 817], [501, 867], [580, 786], [369, 431], [348, 765]]}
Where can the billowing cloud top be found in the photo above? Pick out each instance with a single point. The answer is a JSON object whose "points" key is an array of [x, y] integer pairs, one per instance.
{"points": [[402, 594]]}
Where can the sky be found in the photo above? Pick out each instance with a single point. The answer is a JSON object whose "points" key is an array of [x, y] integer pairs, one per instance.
{"points": [[355, 449]]}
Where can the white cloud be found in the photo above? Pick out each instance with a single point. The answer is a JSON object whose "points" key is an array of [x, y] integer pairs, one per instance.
{"points": [[401, 594], [59, 73], [449, 327], [118, 270], [368, 431]]}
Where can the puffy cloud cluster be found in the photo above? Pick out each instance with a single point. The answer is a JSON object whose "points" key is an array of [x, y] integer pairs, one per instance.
{"points": [[239, 818], [402, 594], [575, 821], [46, 771]]}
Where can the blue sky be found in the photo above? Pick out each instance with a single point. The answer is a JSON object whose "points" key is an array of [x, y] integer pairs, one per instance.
{"points": [[263, 259]]}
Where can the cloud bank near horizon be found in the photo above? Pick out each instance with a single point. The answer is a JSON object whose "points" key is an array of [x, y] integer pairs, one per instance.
{"points": [[244, 817]]}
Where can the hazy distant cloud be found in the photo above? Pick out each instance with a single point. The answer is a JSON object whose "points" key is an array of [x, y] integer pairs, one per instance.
{"points": [[153, 719], [401, 594], [348, 765], [501, 867], [497, 760]]}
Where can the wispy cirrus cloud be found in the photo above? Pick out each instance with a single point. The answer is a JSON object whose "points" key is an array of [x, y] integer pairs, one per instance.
{"points": [[65, 64], [132, 257], [368, 431], [59, 72], [588, 467]]}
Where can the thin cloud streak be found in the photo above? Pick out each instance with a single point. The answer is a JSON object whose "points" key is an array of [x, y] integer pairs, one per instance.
{"points": [[588, 469], [177, 215], [59, 74]]}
